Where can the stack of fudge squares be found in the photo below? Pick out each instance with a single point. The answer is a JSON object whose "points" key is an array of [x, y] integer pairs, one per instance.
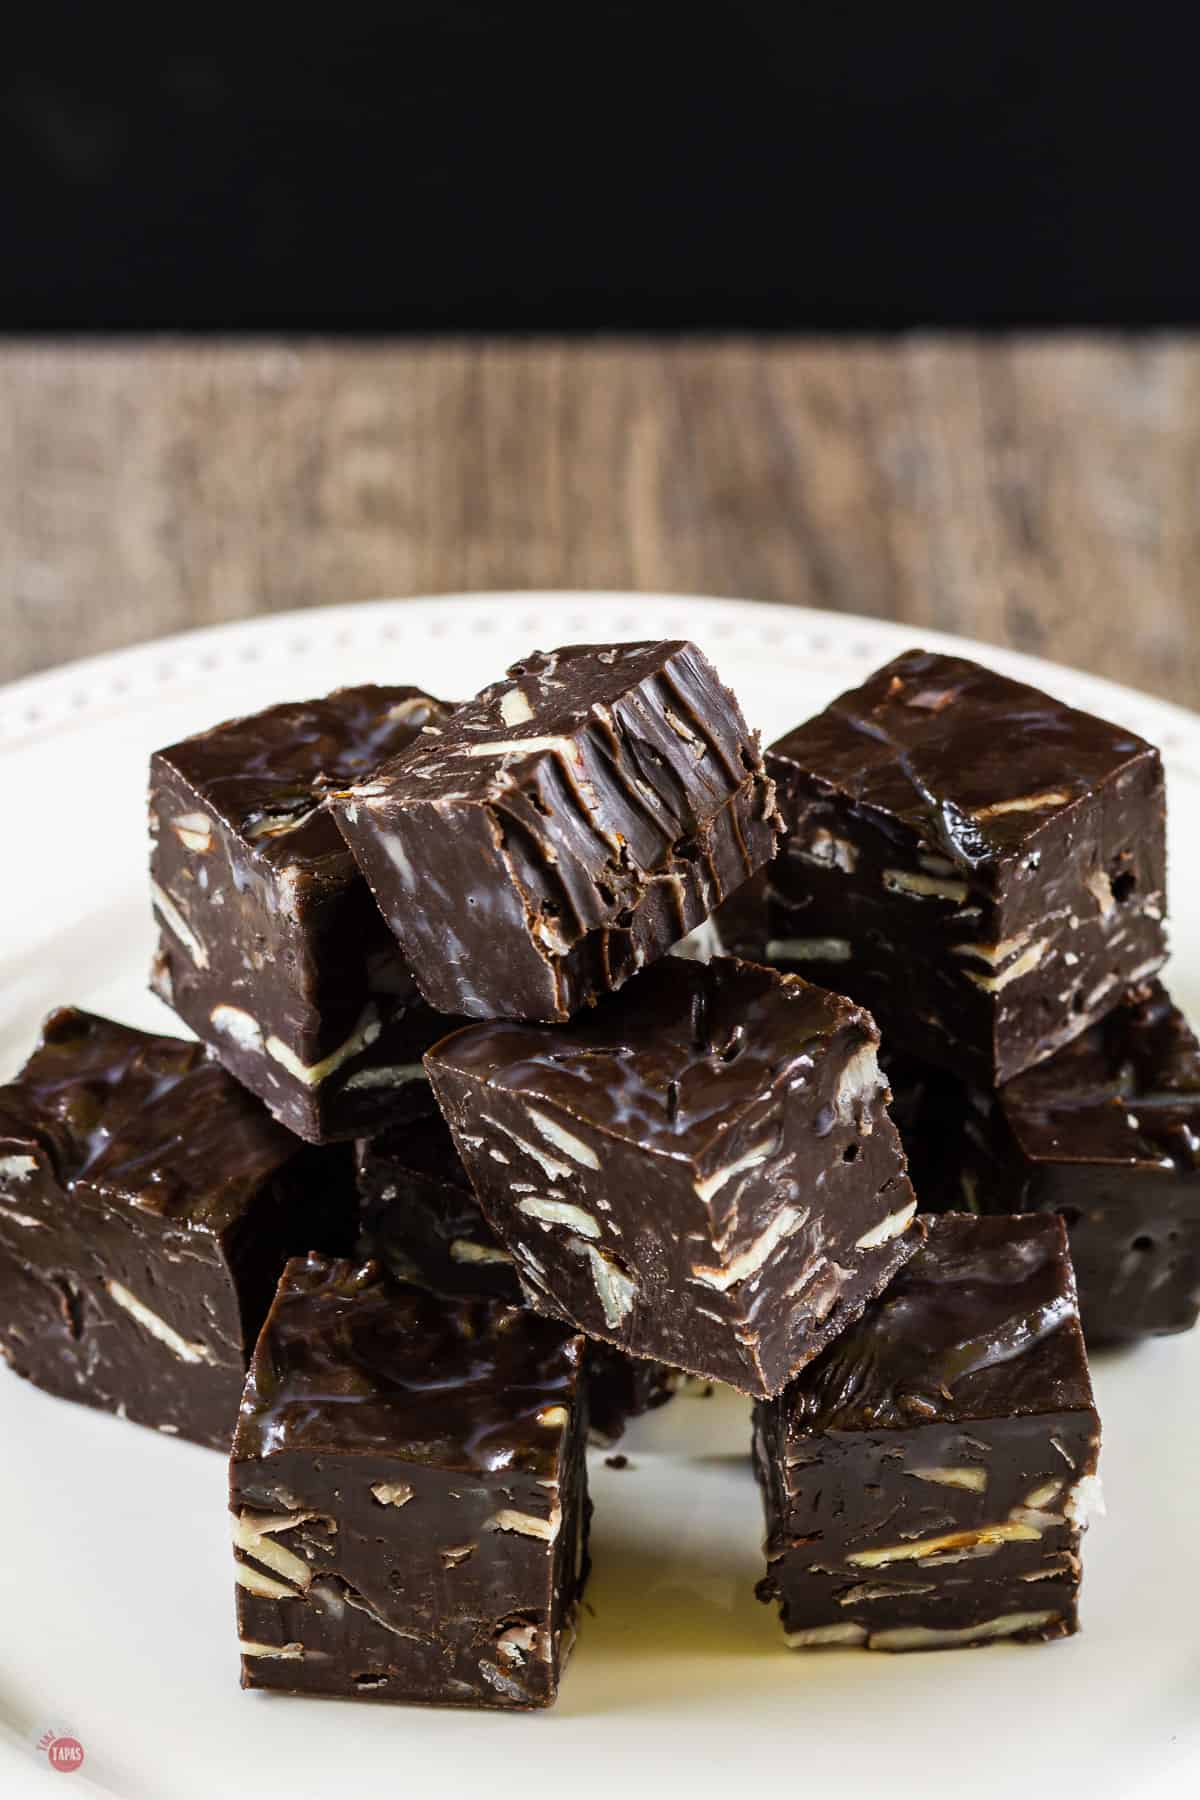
{"points": [[465, 1169]]}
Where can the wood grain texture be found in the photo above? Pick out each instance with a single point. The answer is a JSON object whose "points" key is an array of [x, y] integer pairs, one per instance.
{"points": [[1040, 493]]}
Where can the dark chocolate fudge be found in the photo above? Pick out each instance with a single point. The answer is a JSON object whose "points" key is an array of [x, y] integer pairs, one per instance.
{"points": [[409, 1491], [271, 946], [420, 1217], [980, 865], [926, 1479], [701, 1169], [147, 1206], [1106, 1133], [564, 828]]}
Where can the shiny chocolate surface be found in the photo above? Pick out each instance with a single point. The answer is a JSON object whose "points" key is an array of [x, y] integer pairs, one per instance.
{"points": [[927, 1479], [971, 760], [150, 1121], [354, 1362], [409, 1489], [265, 776], [564, 828], [147, 1206], [981, 866], [672, 1063], [982, 1320], [699, 1170], [271, 947]]}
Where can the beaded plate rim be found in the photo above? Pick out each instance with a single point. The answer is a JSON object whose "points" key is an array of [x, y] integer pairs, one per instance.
{"points": [[82, 693]]}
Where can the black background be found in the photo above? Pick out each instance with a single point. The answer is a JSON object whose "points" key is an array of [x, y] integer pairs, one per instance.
{"points": [[522, 167]]}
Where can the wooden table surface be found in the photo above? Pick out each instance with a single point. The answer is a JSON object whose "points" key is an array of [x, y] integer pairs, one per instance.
{"points": [[1042, 493]]}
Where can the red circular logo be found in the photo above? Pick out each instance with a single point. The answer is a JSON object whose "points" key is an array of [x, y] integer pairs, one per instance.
{"points": [[65, 1754]]}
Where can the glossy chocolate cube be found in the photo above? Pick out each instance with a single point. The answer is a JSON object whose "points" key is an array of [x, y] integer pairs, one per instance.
{"points": [[147, 1207], [564, 828], [271, 948], [980, 865], [701, 1169], [927, 1478], [409, 1492]]}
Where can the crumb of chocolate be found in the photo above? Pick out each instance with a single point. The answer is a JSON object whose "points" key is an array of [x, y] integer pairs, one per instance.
{"points": [[618, 1461]]}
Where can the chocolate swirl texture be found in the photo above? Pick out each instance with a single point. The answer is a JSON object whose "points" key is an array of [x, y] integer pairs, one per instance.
{"points": [[700, 1169], [564, 828], [983, 1319], [926, 1480], [265, 775], [979, 864], [150, 1121], [944, 746], [354, 1362], [147, 1206], [409, 1492], [271, 947]]}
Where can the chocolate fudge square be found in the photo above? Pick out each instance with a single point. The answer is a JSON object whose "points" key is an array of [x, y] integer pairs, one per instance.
{"points": [[1107, 1134], [419, 1216], [271, 946], [701, 1169], [409, 1491], [147, 1207], [979, 864], [926, 1480], [564, 828]]}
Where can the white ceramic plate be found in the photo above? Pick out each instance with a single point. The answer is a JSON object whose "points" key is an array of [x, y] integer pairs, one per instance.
{"points": [[116, 1591]]}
